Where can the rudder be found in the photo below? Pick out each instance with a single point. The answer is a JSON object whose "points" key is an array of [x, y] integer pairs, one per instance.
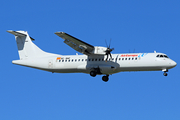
{"points": [[26, 48]]}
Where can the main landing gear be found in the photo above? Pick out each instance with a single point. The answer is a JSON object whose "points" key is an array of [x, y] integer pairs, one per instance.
{"points": [[94, 72], [105, 78]]}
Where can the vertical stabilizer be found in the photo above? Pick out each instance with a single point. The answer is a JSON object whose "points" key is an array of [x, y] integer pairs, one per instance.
{"points": [[26, 48]]}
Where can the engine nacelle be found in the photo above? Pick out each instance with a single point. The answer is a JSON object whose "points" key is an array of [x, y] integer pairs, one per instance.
{"points": [[99, 50]]}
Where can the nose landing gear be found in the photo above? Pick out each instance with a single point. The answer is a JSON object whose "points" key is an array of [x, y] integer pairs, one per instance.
{"points": [[165, 72]]}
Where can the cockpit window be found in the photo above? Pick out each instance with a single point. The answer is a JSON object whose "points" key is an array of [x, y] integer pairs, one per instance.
{"points": [[162, 56], [166, 56]]}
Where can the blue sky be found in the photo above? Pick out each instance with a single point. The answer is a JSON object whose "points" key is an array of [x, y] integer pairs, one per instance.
{"points": [[145, 26]]}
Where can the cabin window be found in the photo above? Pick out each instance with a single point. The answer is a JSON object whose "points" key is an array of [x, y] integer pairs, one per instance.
{"points": [[125, 58], [119, 58], [122, 58], [82, 59], [136, 58], [95, 59], [72, 60], [132, 58], [65, 60], [129, 58], [62, 60], [69, 60], [75, 60]]}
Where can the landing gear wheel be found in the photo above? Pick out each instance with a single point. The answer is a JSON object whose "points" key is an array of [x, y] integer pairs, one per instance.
{"points": [[93, 73], [165, 74], [105, 78]]}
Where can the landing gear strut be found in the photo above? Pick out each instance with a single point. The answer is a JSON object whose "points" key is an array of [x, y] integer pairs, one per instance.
{"points": [[95, 71], [105, 78], [165, 72]]}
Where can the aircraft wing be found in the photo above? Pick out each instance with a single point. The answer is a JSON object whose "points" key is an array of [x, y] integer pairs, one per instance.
{"points": [[76, 44]]}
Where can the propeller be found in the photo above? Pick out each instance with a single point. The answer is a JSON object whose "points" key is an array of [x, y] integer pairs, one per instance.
{"points": [[108, 50]]}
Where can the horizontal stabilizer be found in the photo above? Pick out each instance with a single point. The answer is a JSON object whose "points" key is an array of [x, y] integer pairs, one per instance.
{"points": [[18, 33]]}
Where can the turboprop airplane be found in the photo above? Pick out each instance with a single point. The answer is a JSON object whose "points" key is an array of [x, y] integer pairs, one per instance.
{"points": [[95, 61]]}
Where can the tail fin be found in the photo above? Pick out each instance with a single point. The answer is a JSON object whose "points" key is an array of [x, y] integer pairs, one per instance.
{"points": [[26, 48]]}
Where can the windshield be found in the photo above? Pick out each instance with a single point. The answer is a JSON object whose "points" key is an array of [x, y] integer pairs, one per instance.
{"points": [[162, 56]]}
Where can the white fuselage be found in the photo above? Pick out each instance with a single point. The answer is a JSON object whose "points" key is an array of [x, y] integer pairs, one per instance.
{"points": [[84, 64]]}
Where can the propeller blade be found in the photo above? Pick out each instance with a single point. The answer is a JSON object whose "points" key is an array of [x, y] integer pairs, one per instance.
{"points": [[110, 55], [107, 57], [106, 43], [110, 43]]}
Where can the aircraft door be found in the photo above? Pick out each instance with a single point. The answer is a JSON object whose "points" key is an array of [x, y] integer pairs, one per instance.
{"points": [[50, 63]]}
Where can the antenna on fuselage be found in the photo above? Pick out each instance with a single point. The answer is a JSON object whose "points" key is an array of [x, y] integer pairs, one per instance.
{"points": [[132, 52]]}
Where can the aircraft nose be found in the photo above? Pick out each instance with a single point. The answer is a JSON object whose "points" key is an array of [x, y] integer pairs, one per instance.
{"points": [[173, 63]]}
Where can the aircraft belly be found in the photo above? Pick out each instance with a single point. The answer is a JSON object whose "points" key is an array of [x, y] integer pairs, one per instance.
{"points": [[70, 68]]}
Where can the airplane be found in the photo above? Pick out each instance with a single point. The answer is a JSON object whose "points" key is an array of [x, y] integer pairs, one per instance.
{"points": [[96, 60]]}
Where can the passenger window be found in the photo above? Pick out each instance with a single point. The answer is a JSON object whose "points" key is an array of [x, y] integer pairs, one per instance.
{"points": [[92, 59], [79, 60], [62, 60], [95, 59], [132, 58], [119, 58], [135, 58], [75, 60], [82, 59], [69, 60], [72, 60], [129, 58], [125, 58], [65, 60], [89, 59], [122, 58]]}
